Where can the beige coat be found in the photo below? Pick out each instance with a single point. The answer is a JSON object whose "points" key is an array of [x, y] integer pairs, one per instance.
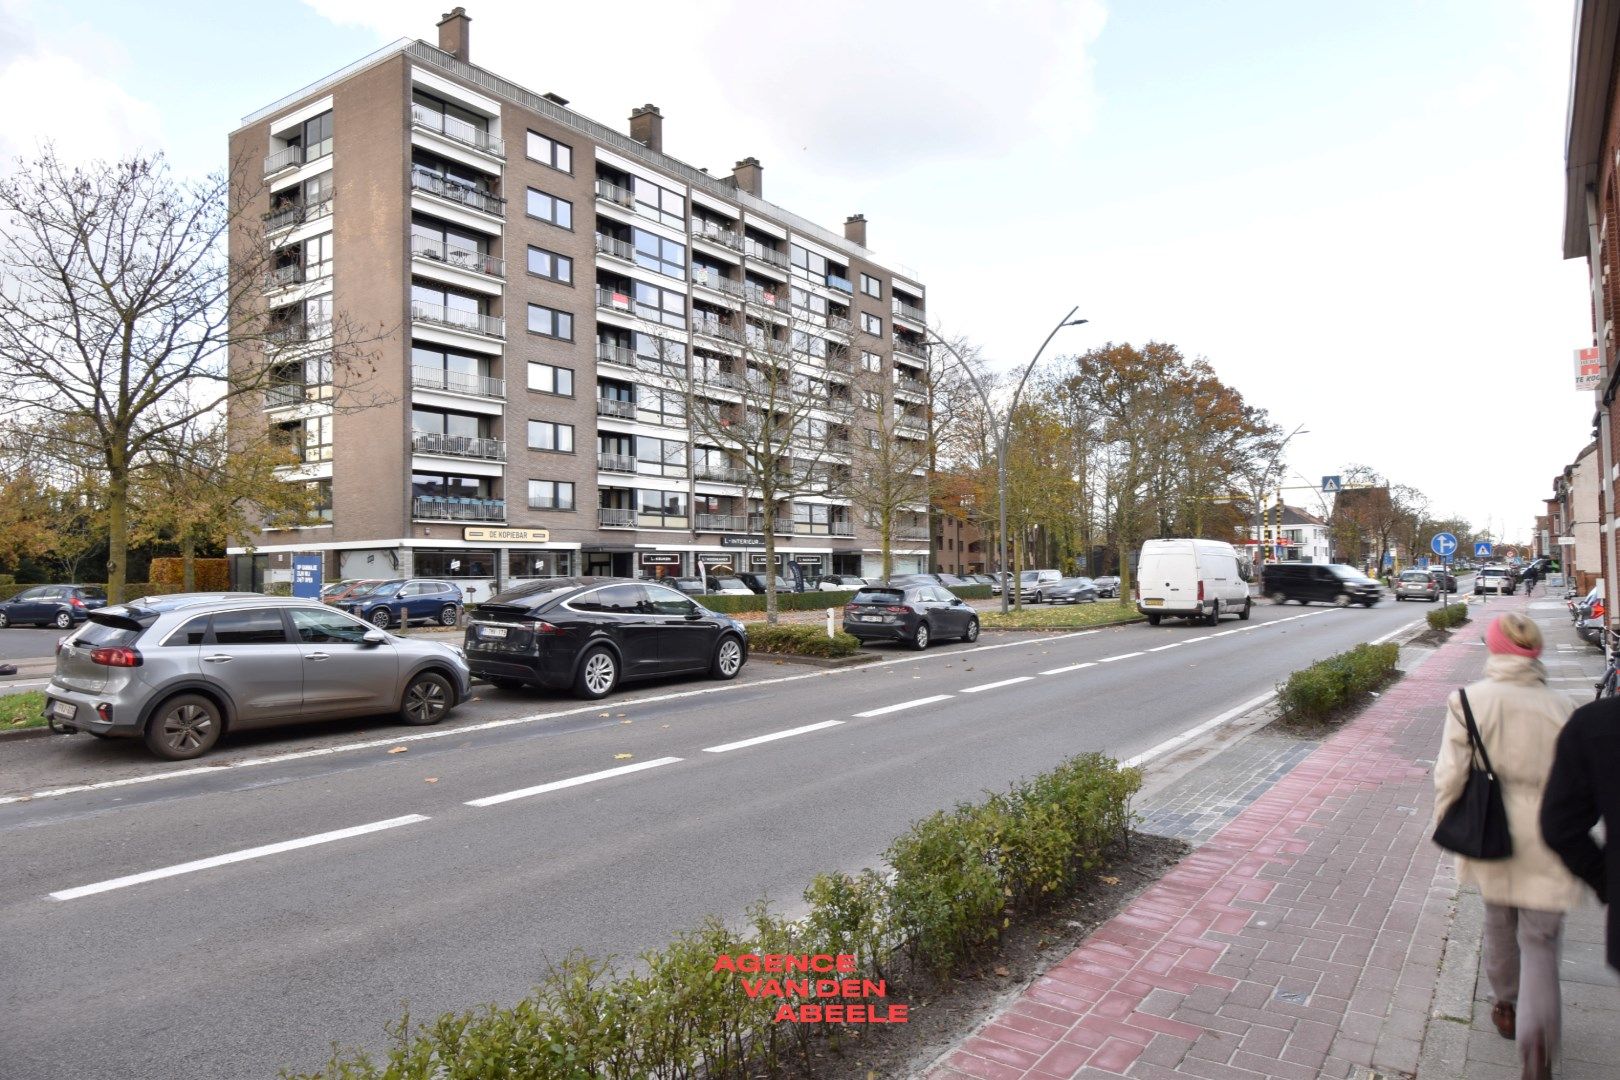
{"points": [[1519, 719]]}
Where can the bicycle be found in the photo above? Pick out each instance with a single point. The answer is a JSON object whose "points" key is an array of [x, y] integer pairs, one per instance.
{"points": [[1607, 686]]}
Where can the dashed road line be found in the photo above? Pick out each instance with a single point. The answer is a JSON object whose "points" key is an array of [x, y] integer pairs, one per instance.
{"points": [[1069, 668], [772, 737], [572, 781], [1161, 648], [1121, 656], [903, 705], [997, 685]]}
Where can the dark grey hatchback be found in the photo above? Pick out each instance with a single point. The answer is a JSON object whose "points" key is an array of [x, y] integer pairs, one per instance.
{"points": [[592, 633], [916, 614]]}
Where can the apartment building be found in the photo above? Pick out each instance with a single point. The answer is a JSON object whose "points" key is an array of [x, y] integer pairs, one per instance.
{"points": [[561, 296]]}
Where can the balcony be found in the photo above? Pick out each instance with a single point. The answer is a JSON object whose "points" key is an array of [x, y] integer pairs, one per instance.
{"points": [[615, 248], [284, 395], [708, 230], [466, 446], [457, 382], [609, 517], [452, 508], [782, 526], [840, 283], [767, 297], [613, 300], [705, 279], [719, 523], [296, 333], [909, 311], [282, 160], [715, 328], [467, 195], [619, 463], [909, 532], [462, 258], [905, 384], [458, 319], [609, 192], [609, 353], [906, 348], [721, 474], [913, 428], [724, 379], [840, 324], [621, 410], [756, 250], [283, 276], [823, 528], [841, 528], [457, 130]]}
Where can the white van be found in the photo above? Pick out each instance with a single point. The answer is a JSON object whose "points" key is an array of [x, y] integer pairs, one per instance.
{"points": [[1031, 581], [1193, 579]]}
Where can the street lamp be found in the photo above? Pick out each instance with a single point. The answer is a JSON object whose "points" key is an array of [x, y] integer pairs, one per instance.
{"points": [[1003, 433]]}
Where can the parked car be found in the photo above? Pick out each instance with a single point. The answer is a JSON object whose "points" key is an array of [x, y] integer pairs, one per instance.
{"points": [[593, 633], [1497, 579], [997, 582], [1541, 565], [1107, 585], [982, 579], [727, 586], [1417, 585], [756, 583], [1328, 583], [180, 671], [914, 614], [402, 602], [1071, 590], [691, 586], [51, 605], [839, 583], [1031, 581], [1443, 578], [339, 591], [1201, 579]]}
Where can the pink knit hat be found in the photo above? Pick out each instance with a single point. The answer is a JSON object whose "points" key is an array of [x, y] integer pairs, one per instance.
{"points": [[1497, 641]]}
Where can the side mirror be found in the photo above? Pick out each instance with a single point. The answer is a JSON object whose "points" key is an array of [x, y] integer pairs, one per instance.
{"points": [[373, 637]]}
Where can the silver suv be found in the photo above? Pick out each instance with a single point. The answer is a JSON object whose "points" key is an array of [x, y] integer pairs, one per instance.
{"points": [[178, 671]]}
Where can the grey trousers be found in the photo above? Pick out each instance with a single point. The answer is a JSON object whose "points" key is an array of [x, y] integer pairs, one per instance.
{"points": [[1521, 960]]}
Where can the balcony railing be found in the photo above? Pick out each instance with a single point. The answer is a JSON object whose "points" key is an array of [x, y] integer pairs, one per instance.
{"points": [[457, 130], [767, 297], [458, 319], [839, 323], [718, 523], [465, 194], [282, 276], [609, 353], [282, 395], [840, 283], [289, 158], [721, 474], [464, 258], [782, 526], [457, 382], [909, 311], [612, 518], [708, 230], [297, 333], [614, 300], [717, 329], [907, 385], [915, 428], [608, 191], [823, 528], [612, 246], [721, 378], [709, 280], [901, 345], [470, 446], [841, 528], [910, 532], [623, 410], [756, 250], [452, 508], [621, 463]]}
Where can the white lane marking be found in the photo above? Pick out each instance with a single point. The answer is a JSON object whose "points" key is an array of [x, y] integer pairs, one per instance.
{"points": [[997, 685], [1121, 656], [236, 857], [1071, 667], [572, 781], [1193, 732], [1223, 633], [903, 705], [1161, 648], [1392, 633], [772, 737]]}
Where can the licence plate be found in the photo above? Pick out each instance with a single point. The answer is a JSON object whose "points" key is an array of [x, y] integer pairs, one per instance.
{"points": [[1153, 603], [63, 710], [871, 618], [492, 631]]}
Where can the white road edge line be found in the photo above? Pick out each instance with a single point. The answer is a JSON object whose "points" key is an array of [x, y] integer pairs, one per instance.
{"points": [[772, 737], [997, 685], [1121, 656], [903, 705], [1161, 648], [1192, 733], [1071, 667], [1392, 633], [572, 781], [236, 857]]}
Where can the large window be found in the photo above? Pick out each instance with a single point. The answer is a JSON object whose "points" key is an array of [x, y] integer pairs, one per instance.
{"points": [[545, 435], [660, 457], [551, 152], [809, 343], [549, 322], [439, 422], [526, 564], [439, 304], [321, 509], [317, 136], [454, 564], [549, 264], [655, 253], [439, 368], [318, 257], [871, 286], [871, 361], [559, 212], [551, 495], [808, 263], [310, 439], [670, 355], [551, 380], [444, 485], [805, 300], [872, 324], [451, 119], [448, 243], [660, 305], [659, 406], [662, 509], [659, 203]]}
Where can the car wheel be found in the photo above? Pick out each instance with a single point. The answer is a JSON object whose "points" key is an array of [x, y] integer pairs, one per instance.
{"points": [[1214, 616], [1153, 620], [381, 619], [1248, 605], [972, 633], [728, 658], [63, 620], [1342, 600], [1035, 598], [5, 620], [919, 641], [507, 684], [427, 699], [598, 674], [447, 615], [1279, 598], [184, 727]]}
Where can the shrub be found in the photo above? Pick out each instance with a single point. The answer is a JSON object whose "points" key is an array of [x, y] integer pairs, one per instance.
{"points": [[785, 601], [210, 575], [800, 640], [1328, 686], [1448, 618]]}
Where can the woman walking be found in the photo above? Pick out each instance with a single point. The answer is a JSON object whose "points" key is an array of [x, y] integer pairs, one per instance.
{"points": [[1526, 894]]}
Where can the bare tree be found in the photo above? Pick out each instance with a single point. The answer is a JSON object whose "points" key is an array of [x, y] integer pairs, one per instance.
{"points": [[892, 456], [125, 290]]}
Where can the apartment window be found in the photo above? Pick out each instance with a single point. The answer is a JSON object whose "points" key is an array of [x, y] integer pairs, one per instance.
{"points": [[808, 262], [805, 300], [317, 136], [318, 257], [551, 152], [549, 264], [436, 422], [662, 509], [310, 439], [526, 564], [662, 256], [871, 361], [659, 203], [551, 380], [871, 286], [660, 457], [872, 324], [809, 343], [321, 499], [449, 370], [660, 351], [557, 438], [549, 322], [659, 406], [660, 305], [447, 243], [449, 118], [438, 304], [447, 486], [559, 212], [812, 518], [551, 495]]}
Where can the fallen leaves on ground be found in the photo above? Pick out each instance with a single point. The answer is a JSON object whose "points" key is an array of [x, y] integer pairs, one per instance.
{"points": [[1003, 972], [431, 779], [399, 750], [623, 757], [1110, 879]]}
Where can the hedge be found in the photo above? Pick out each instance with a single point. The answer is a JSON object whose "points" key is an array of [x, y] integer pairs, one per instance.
{"points": [[810, 601], [1328, 686], [1446, 618], [210, 575], [955, 875], [800, 640]]}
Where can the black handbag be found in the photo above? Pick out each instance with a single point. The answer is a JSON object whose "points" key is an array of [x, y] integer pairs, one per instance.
{"points": [[1476, 825]]}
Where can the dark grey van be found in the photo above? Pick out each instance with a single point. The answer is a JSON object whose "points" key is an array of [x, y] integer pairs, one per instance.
{"points": [[1327, 583]]}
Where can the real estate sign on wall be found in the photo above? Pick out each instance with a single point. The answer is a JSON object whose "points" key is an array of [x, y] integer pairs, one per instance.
{"points": [[1588, 369]]}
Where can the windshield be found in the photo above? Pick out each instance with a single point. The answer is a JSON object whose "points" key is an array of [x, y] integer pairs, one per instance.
{"points": [[728, 583], [370, 587], [1415, 575], [1344, 571]]}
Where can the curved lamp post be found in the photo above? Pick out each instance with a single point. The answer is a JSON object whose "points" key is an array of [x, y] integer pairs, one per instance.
{"points": [[1003, 432]]}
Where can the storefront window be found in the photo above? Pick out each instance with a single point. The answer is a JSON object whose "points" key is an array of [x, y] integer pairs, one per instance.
{"points": [[455, 564], [538, 564]]}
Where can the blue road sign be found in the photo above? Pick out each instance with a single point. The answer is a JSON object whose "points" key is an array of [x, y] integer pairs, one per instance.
{"points": [[1443, 544], [307, 576], [1332, 484], [1482, 549]]}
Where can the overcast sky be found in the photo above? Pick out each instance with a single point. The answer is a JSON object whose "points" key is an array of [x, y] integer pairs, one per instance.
{"points": [[1353, 210]]}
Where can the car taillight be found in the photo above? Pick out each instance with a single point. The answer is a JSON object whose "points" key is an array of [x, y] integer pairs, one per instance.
{"points": [[75, 601], [115, 656], [898, 609], [1200, 591], [545, 629]]}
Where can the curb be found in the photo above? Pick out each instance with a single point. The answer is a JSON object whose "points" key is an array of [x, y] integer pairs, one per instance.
{"points": [[818, 661], [24, 733], [1451, 1013]]}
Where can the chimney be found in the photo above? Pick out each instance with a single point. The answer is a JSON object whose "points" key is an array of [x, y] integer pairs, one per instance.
{"points": [[647, 127], [855, 229], [749, 176], [454, 29], [556, 99]]}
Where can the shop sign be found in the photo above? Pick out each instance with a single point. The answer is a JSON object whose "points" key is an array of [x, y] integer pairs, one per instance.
{"points": [[506, 536], [742, 541], [653, 558]]}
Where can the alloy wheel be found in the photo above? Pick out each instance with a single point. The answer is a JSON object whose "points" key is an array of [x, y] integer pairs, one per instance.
{"points": [[599, 673], [425, 701], [63, 620], [186, 729], [730, 659]]}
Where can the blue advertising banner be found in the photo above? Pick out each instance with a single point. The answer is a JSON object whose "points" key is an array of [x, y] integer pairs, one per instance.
{"points": [[307, 576]]}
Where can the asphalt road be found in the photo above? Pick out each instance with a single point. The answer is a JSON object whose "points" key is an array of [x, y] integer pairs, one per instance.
{"points": [[28, 642], [469, 879]]}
